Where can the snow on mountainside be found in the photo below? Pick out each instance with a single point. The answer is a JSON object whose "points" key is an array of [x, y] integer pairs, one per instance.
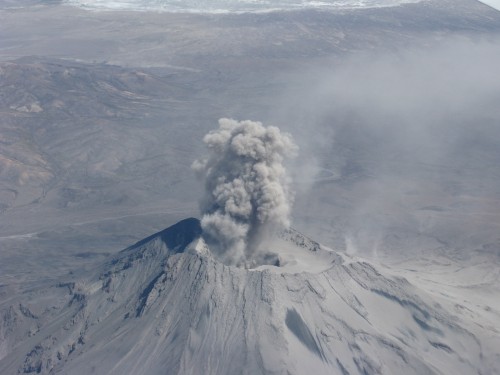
{"points": [[166, 306], [495, 4], [232, 6]]}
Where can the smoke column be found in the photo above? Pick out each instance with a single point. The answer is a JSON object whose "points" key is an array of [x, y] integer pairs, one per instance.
{"points": [[247, 195]]}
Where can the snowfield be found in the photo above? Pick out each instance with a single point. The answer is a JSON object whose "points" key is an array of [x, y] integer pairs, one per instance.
{"points": [[492, 3], [232, 6], [165, 305]]}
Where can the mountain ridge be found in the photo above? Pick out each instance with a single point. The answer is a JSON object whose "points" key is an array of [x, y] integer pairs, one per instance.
{"points": [[166, 305]]}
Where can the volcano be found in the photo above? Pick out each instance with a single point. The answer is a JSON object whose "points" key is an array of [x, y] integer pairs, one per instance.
{"points": [[166, 305]]}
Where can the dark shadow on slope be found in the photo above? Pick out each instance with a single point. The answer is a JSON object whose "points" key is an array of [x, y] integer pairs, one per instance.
{"points": [[295, 323], [143, 298], [177, 236], [421, 316]]}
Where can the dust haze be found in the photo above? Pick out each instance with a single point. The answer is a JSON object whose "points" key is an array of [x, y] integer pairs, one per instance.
{"points": [[403, 142]]}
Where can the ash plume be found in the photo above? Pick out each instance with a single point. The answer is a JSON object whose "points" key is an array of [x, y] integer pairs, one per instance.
{"points": [[247, 193]]}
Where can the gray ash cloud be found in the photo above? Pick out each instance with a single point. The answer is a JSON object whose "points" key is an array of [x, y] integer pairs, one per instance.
{"points": [[247, 189]]}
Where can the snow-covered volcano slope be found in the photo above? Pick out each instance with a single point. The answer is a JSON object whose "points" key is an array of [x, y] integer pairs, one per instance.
{"points": [[166, 306]]}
